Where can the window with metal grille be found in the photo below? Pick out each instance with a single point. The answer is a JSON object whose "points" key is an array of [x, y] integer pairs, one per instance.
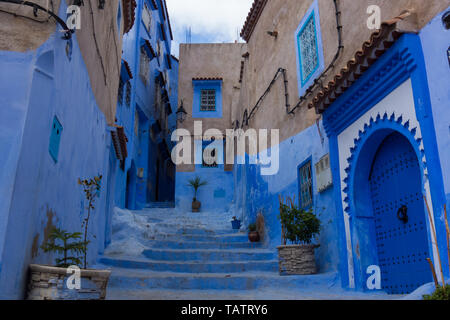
{"points": [[120, 93], [309, 47], [208, 100], [144, 67], [309, 55], [305, 185], [128, 94]]}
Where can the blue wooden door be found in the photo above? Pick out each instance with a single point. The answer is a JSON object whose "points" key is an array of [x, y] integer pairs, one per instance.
{"points": [[399, 214]]}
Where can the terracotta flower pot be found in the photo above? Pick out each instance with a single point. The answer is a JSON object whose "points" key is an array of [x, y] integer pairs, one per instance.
{"points": [[253, 236], [50, 283], [196, 205], [297, 259]]}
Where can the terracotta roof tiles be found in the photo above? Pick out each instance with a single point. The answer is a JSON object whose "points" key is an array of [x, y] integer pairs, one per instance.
{"points": [[379, 42], [129, 7], [252, 18], [206, 78]]}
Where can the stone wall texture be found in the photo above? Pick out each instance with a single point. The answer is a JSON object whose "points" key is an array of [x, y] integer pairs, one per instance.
{"points": [[296, 259], [50, 283]]}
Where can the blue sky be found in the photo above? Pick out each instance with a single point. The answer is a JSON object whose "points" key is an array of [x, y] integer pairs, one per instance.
{"points": [[211, 21]]}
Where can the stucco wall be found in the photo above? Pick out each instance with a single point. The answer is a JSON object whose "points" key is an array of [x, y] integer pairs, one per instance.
{"points": [[209, 61], [25, 31], [99, 40], [435, 43], [259, 194], [40, 193], [143, 151], [267, 53]]}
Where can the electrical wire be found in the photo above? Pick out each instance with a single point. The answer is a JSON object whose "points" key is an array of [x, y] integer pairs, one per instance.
{"points": [[318, 81]]}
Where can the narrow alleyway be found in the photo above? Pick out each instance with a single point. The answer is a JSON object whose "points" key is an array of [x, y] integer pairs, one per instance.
{"points": [[162, 253]]}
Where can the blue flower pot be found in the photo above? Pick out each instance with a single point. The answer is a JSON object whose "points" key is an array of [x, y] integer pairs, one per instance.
{"points": [[236, 224]]}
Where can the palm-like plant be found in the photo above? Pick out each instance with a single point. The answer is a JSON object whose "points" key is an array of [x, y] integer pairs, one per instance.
{"points": [[196, 184]]}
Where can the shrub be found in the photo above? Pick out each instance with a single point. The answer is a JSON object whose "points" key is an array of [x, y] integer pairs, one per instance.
{"points": [[59, 242], [298, 225], [252, 227], [441, 293], [91, 189]]}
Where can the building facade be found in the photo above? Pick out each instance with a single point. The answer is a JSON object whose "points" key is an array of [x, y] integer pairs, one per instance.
{"points": [[359, 106], [207, 88], [57, 117], [146, 106]]}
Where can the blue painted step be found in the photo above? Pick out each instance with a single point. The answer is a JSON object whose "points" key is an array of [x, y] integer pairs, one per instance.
{"points": [[225, 238], [126, 278], [209, 255], [160, 205], [158, 244], [191, 267]]}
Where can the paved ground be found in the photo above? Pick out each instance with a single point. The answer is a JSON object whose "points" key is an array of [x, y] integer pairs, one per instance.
{"points": [[270, 294]]}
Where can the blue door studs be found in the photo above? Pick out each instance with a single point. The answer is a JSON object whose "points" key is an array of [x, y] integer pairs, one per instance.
{"points": [[399, 216], [358, 239]]}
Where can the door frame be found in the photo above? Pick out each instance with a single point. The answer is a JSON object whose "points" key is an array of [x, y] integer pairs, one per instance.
{"points": [[403, 62]]}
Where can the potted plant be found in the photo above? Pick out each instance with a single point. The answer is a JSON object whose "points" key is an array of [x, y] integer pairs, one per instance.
{"points": [[196, 184], [235, 223], [70, 279], [253, 234], [299, 227]]}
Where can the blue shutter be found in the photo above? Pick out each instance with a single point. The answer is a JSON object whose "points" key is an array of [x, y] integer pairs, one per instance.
{"points": [[55, 139]]}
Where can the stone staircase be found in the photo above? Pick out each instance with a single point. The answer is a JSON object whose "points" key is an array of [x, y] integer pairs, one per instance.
{"points": [[160, 205], [194, 259], [197, 256]]}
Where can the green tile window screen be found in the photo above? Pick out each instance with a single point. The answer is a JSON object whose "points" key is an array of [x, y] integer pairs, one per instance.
{"points": [[308, 49]]}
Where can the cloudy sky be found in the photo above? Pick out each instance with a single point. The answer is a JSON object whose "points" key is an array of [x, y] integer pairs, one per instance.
{"points": [[210, 20]]}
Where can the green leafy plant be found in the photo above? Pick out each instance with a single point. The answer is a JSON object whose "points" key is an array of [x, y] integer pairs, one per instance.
{"points": [[298, 225], [252, 227], [441, 293], [59, 241], [196, 183], [91, 189]]}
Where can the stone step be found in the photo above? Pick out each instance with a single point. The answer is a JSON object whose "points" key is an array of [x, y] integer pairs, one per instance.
{"points": [[190, 267], [222, 238], [160, 205], [208, 255], [167, 244], [145, 280]]}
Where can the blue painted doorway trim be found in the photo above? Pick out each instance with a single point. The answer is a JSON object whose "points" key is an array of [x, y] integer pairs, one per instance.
{"points": [[403, 61]]}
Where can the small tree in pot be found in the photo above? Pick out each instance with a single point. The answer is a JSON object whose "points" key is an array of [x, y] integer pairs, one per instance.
{"points": [[299, 227], [66, 281], [196, 183]]}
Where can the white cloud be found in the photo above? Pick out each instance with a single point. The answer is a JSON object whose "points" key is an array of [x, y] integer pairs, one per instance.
{"points": [[210, 20]]}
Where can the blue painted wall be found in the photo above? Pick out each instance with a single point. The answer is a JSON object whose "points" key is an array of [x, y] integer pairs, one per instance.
{"points": [[217, 195], [411, 57], [256, 193], [434, 38], [12, 122], [143, 151], [36, 192]]}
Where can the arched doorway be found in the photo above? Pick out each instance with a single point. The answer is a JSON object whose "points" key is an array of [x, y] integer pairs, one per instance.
{"points": [[399, 216]]}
